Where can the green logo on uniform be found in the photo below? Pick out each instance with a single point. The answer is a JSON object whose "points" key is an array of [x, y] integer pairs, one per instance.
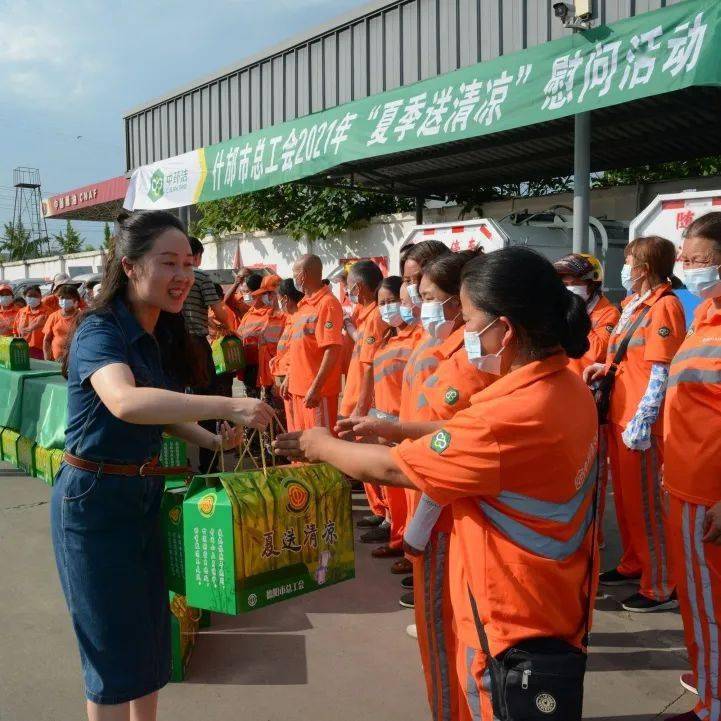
{"points": [[329, 324], [157, 185], [451, 397], [664, 332], [609, 329], [370, 340], [441, 441]]}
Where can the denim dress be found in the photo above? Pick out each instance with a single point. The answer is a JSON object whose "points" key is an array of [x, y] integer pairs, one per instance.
{"points": [[105, 528]]}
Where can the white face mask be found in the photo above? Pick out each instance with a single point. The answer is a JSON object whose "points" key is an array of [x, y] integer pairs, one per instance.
{"points": [[434, 319], [474, 350], [391, 314], [413, 294], [248, 298], [33, 302], [703, 282], [580, 290], [298, 285], [627, 279], [6, 300], [267, 300], [66, 304]]}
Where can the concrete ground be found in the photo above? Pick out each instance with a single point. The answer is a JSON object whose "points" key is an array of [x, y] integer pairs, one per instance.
{"points": [[338, 654]]}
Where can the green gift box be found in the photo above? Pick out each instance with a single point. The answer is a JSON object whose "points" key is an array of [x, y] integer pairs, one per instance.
{"points": [[228, 355], [47, 463], [171, 520], [184, 624], [26, 455], [12, 388], [10, 445], [14, 353], [255, 538]]}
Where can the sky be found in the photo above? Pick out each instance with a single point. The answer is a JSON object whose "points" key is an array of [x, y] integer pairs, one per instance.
{"points": [[70, 69]]}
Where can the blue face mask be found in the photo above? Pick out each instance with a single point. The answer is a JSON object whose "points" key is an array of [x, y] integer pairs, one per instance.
{"points": [[703, 282], [413, 294], [474, 350], [407, 315], [434, 319], [391, 314]]}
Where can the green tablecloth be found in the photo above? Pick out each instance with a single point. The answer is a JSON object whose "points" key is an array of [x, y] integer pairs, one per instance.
{"points": [[11, 390], [45, 410]]}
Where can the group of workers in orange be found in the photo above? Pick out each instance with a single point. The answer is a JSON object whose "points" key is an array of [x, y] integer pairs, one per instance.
{"points": [[468, 414], [46, 323]]}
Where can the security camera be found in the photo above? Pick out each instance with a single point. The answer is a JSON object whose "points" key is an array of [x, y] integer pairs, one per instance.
{"points": [[561, 11]]}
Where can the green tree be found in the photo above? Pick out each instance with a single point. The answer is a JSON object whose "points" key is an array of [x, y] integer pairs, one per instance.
{"points": [[17, 244], [298, 210], [107, 237], [699, 167], [69, 242]]}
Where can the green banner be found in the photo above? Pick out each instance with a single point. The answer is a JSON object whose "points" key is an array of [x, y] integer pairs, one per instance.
{"points": [[653, 53]]}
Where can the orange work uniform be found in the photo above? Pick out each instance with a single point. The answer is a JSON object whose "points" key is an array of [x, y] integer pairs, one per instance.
{"points": [[520, 477], [250, 326], [280, 363], [268, 345], [318, 326], [29, 324], [370, 331], [446, 391], [7, 319], [389, 363], [60, 327], [604, 316], [636, 475], [237, 306], [692, 477]]}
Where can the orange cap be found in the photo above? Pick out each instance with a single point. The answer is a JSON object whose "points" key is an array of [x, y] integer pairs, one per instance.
{"points": [[269, 284]]}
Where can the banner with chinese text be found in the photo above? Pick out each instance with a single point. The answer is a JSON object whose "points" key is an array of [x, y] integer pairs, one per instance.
{"points": [[651, 54]]}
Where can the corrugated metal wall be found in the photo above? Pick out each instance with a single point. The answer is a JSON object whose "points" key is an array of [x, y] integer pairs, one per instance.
{"points": [[398, 44]]}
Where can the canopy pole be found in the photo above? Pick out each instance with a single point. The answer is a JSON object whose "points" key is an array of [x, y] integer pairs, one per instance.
{"points": [[581, 181], [420, 204]]}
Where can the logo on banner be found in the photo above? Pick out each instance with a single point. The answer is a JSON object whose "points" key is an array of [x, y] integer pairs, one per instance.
{"points": [[157, 185], [298, 496]]}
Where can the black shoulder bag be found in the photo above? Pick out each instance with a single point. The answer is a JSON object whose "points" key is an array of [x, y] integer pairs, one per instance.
{"points": [[540, 679], [602, 391]]}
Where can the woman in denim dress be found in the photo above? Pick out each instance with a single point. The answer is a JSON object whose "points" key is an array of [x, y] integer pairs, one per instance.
{"points": [[127, 351]]}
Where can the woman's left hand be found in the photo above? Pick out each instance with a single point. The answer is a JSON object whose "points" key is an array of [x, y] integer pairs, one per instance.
{"points": [[231, 436], [302, 445]]}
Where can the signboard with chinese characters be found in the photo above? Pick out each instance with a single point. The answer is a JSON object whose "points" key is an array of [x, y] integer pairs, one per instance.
{"points": [[88, 196], [255, 538], [651, 54]]}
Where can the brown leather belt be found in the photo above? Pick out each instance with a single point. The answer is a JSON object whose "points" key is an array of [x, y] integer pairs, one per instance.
{"points": [[146, 469]]}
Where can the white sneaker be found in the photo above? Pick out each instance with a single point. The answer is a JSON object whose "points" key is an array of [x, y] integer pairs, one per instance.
{"points": [[687, 681], [412, 631]]}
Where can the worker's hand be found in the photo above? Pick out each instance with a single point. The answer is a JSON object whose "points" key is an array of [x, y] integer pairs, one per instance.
{"points": [[248, 412], [712, 525], [303, 445], [593, 373], [344, 428], [231, 436], [283, 390], [312, 399]]}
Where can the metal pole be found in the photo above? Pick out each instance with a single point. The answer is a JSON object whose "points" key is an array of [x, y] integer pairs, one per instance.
{"points": [[581, 181], [420, 204]]}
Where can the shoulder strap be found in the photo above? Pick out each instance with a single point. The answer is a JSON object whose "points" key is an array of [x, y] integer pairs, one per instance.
{"points": [[623, 346]]}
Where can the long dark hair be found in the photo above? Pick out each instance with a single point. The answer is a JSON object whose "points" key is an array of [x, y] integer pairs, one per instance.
{"points": [[183, 359], [445, 270], [522, 285]]}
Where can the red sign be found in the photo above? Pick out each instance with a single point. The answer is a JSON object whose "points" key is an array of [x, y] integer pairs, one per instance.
{"points": [[107, 191]]}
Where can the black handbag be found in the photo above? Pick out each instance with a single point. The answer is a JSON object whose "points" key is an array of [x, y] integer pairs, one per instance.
{"points": [[540, 679], [604, 386]]}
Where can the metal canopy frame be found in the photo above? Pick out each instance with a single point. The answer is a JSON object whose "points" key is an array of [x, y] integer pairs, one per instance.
{"points": [[676, 126]]}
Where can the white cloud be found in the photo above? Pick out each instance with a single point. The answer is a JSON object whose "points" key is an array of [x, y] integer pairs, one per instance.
{"points": [[29, 43]]}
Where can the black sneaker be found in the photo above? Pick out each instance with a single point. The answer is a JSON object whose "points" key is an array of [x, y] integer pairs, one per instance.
{"points": [[406, 600], [614, 578], [380, 534], [370, 521], [407, 582], [640, 604]]}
